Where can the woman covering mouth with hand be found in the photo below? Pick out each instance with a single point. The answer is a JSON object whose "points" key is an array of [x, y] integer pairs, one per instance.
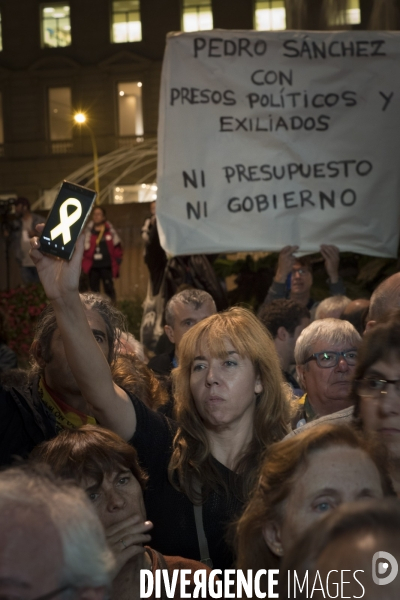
{"points": [[107, 468]]}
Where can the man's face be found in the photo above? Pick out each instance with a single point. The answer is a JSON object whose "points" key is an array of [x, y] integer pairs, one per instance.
{"points": [[302, 279], [31, 555], [185, 316], [327, 388], [57, 372]]}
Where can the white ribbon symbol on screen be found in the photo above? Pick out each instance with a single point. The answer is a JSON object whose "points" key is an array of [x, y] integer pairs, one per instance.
{"points": [[66, 220]]}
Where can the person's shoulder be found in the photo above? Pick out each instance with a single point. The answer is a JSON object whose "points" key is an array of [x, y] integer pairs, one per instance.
{"points": [[15, 394], [337, 418], [150, 421]]}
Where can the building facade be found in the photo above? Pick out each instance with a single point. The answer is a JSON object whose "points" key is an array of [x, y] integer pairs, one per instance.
{"points": [[103, 58]]}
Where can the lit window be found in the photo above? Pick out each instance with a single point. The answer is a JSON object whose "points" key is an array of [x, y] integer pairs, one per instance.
{"points": [[1, 36], [144, 192], [130, 108], [60, 113], [350, 16], [197, 15], [126, 24], [270, 16], [353, 12], [56, 25]]}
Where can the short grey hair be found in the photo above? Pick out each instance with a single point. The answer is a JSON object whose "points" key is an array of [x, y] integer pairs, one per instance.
{"points": [[331, 304], [125, 337], [331, 331], [88, 561], [190, 296]]}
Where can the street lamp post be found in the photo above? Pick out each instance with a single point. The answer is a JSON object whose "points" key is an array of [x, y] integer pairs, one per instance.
{"points": [[80, 118]]}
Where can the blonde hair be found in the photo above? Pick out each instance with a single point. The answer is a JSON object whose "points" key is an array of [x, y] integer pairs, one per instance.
{"points": [[191, 458]]}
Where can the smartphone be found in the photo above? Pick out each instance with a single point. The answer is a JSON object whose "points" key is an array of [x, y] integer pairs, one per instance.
{"points": [[66, 220]]}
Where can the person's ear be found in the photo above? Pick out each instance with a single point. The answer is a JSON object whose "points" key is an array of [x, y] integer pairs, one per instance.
{"points": [[37, 354], [272, 536], [169, 333], [282, 334], [258, 386], [369, 325]]}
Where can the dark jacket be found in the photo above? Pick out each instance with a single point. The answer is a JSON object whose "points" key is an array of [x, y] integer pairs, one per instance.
{"points": [[8, 358], [194, 270], [24, 421]]}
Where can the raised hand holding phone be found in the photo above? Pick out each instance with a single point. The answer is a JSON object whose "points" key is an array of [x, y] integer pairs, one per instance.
{"points": [[66, 220], [58, 277]]}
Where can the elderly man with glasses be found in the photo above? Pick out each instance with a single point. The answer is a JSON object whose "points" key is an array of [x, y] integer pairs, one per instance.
{"points": [[325, 355]]}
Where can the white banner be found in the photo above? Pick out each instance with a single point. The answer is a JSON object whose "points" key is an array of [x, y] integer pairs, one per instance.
{"points": [[275, 138]]}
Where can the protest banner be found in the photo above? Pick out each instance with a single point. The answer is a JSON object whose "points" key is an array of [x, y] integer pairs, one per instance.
{"points": [[275, 138]]}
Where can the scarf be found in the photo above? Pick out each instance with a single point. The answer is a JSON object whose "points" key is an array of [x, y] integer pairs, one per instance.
{"points": [[66, 416]]}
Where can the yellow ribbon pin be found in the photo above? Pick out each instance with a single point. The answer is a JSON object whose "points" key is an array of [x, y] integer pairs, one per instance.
{"points": [[66, 220]]}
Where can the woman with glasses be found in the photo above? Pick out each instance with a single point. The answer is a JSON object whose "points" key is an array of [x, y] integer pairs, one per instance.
{"points": [[376, 388]]}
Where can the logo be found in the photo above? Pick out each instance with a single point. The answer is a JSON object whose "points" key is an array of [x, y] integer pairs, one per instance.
{"points": [[380, 566], [66, 220]]}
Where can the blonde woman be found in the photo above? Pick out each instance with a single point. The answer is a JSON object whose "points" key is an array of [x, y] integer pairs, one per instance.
{"points": [[230, 406]]}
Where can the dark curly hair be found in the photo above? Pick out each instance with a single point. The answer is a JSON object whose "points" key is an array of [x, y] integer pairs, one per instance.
{"points": [[47, 324]]}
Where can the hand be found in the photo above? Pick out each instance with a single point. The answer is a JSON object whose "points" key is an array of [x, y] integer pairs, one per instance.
{"points": [[285, 263], [133, 533], [58, 277], [332, 258]]}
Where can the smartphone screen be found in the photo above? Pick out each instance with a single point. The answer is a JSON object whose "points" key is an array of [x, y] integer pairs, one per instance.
{"points": [[66, 220]]}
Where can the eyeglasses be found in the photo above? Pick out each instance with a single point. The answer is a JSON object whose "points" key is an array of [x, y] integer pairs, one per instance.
{"points": [[328, 358], [299, 271], [372, 388]]}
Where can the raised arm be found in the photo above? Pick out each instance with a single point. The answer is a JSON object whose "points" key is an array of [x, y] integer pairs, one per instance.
{"points": [[112, 407], [286, 260]]}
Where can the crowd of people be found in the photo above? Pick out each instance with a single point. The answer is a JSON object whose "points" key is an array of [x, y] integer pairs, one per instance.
{"points": [[258, 442]]}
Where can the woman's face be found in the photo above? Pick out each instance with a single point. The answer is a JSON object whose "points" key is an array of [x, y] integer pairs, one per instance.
{"points": [[98, 216], [381, 413], [224, 389], [117, 498], [332, 476]]}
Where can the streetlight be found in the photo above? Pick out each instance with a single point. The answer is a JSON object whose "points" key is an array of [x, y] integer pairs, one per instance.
{"points": [[80, 118]]}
